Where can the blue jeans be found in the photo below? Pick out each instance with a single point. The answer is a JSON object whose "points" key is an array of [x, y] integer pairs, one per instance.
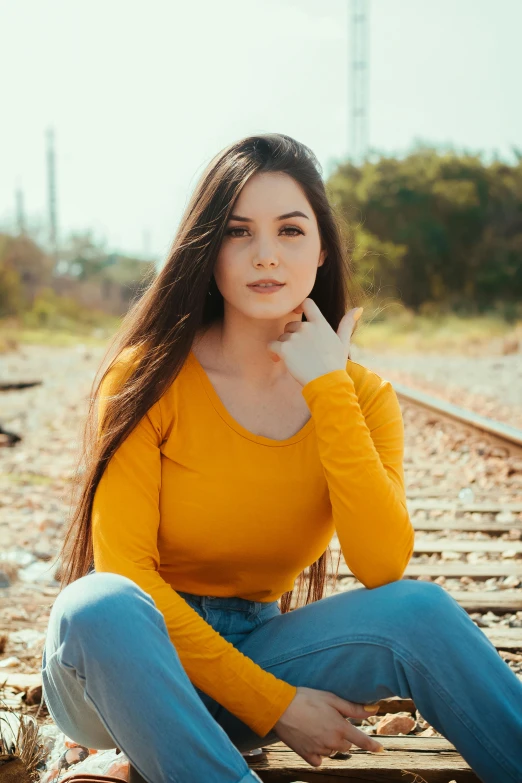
{"points": [[112, 677]]}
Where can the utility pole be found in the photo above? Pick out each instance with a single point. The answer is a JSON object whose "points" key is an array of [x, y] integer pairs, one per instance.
{"points": [[51, 180], [146, 243], [359, 79], [20, 214]]}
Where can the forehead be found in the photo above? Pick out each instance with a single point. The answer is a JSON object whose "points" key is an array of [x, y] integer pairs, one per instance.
{"points": [[269, 194]]}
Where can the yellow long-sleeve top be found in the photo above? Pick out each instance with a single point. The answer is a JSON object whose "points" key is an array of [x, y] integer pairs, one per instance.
{"points": [[193, 501]]}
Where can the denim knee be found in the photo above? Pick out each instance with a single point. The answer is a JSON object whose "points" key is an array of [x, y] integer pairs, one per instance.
{"points": [[421, 605], [96, 597]]}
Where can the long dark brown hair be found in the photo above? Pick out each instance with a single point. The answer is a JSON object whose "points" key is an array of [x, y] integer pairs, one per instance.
{"points": [[162, 322]]}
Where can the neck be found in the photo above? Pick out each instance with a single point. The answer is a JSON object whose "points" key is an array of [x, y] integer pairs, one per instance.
{"points": [[240, 348]]}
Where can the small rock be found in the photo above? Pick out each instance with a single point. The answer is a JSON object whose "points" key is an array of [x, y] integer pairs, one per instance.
{"points": [[38, 571], [395, 723], [514, 535], [4, 579], [16, 614], [505, 517], [34, 695], [429, 732], [8, 662], [511, 581], [27, 636]]}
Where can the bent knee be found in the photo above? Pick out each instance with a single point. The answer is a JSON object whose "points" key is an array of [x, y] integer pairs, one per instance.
{"points": [[420, 602], [96, 595]]}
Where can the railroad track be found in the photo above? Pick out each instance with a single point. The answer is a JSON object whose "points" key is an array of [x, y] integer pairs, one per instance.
{"points": [[463, 475]]}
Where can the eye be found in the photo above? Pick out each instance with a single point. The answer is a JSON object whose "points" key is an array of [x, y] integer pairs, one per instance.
{"points": [[293, 228], [231, 231]]}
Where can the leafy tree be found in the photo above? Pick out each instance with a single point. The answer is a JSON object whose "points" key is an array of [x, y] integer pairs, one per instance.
{"points": [[437, 226]]}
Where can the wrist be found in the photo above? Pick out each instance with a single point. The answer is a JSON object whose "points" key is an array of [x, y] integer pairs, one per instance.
{"points": [[321, 374]]}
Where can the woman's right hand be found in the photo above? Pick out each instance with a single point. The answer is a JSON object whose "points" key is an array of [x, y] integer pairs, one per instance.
{"points": [[314, 725]]}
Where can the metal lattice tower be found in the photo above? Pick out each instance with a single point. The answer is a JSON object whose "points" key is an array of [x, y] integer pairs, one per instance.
{"points": [[359, 51]]}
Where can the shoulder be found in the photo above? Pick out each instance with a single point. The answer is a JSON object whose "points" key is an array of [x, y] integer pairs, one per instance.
{"points": [[129, 357], [120, 369]]}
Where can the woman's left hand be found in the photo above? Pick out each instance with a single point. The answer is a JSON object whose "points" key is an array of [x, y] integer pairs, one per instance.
{"points": [[311, 348]]}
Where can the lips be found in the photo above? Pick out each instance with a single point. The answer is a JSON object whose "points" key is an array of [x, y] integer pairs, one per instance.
{"points": [[265, 284]]}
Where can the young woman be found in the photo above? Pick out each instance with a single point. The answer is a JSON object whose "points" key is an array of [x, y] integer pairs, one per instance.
{"points": [[234, 438]]}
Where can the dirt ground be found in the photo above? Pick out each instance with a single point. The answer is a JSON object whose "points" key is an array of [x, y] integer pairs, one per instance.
{"points": [[35, 474]]}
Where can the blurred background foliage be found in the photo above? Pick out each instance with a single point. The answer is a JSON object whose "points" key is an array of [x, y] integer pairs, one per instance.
{"points": [[437, 231], [87, 288], [434, 234]]}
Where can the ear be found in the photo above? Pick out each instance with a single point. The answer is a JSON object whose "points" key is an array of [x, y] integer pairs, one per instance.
{"points": [[322, 258]]}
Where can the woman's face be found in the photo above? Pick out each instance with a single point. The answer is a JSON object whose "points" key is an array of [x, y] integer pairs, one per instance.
{"points": [[269, 246]]}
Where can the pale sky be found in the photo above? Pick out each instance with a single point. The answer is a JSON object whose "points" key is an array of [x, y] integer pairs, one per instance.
{"points": [[141, 95]]}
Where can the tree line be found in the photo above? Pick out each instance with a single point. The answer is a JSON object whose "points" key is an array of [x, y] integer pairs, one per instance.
{"points": [[440, 229], [435, 230]]}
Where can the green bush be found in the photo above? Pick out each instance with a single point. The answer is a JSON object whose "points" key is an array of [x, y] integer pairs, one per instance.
{"points": [[12, 299], [52, 311]]}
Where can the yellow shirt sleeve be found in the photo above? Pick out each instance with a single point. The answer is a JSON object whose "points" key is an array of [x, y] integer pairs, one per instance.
{"points": [[125, 521], [362, 456]]}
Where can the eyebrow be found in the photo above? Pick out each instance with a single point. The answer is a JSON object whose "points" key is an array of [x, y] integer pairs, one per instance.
{"points": [[296, 213]]}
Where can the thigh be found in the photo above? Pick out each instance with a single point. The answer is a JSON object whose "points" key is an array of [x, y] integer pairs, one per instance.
{"points": [[344, 643]]}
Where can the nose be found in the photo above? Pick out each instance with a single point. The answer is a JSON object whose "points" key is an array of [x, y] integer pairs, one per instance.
{"points": [[268, 262], [265, 257]]}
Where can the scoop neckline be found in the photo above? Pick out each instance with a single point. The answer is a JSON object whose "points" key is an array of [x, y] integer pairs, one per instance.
{"points": [[218, 405]]}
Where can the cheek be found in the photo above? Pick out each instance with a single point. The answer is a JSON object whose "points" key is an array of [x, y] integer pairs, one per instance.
{"points": [[221, 265], [232, 269], [303, 268], [228, 272]]}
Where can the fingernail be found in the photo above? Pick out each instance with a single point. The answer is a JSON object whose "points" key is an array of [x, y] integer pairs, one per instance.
{"points": [[380, 749], [371, 707], [358, 313]]}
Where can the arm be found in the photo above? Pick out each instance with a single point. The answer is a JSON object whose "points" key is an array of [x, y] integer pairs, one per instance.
{"points": [[361, 448], [125, 521]]}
